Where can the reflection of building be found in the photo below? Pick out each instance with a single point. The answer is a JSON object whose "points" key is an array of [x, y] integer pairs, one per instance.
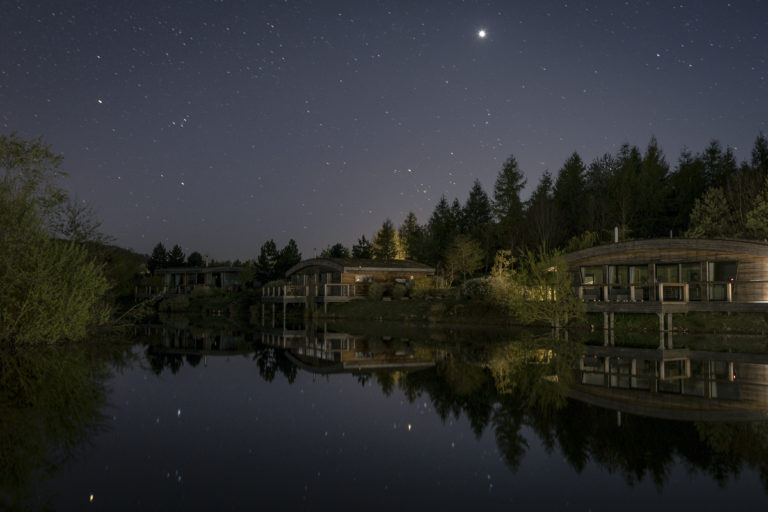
{"points": [[331, 352], [675, 383], [672, 275], [171, 340], [341, 279]]}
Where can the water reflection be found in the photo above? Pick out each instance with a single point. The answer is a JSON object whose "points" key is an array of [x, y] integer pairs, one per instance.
{"points": [[52, 401], [636, 412]]}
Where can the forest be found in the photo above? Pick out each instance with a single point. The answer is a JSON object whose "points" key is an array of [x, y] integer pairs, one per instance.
{"points": [[704, 195]]}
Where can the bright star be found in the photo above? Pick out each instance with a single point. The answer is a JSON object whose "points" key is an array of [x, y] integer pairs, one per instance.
{"points": [[482, 33]]}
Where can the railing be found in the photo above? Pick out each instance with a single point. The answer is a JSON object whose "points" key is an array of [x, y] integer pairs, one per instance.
{"points": [[337, 290], [289, 291], [672, 292], [296, 291]]}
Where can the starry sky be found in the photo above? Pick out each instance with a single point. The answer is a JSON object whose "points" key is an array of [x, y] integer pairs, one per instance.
{"points": [[220, 124]]}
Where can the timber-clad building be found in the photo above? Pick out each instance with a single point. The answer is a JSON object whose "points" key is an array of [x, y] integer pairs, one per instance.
{"points": [[324, 280], [672, 275], [355, 272]]}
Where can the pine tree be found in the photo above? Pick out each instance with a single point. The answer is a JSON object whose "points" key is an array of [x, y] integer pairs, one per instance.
{"points": [[286, 258], [266, 262], [363, 249], [337, 250], [568, 195], [541, 214], [158, 259], [441, 229], [411, 237], [476, 214], [507, 205], [385, 243], [711, 217], [176, 257], [757, 218]]}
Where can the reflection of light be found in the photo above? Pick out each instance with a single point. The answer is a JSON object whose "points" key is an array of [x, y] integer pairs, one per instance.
{"points": [[91, 498], [409, 427]]}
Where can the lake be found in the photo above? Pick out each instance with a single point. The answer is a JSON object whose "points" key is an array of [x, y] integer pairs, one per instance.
{"points": [[381, 417]]}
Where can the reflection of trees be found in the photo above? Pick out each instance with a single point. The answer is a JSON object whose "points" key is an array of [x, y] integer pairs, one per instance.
{"points": [[269, 361], [50, 402], [524, 384]]}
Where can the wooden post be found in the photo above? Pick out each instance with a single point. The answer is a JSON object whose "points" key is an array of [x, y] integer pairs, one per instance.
{"points": [[686, 292], [729, 291], [632, 293]]}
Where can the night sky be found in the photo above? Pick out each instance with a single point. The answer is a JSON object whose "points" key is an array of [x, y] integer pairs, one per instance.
{"points": [[218, 125]]}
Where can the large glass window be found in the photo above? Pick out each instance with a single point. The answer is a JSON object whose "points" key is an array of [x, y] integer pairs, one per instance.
{"points": [[592, 275], [668, 273], [723, 270]]}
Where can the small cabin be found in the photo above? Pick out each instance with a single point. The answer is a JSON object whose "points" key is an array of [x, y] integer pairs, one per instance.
{"points": [[184, 279], [355, 272], [672, 270]]}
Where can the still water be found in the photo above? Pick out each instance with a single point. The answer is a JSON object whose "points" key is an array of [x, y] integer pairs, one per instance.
{"points": [[294, 419]]}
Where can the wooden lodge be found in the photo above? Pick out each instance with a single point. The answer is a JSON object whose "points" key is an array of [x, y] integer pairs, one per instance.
{"points": [[672, 275], [323, 280], [182, 280]]}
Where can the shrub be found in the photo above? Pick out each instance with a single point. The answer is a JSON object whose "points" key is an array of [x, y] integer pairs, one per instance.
{"points": [[180, 303], [476, 289], [398, 291], [376, 291], [204, 291]]}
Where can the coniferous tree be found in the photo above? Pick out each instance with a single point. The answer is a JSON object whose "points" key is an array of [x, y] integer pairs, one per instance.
{"points": [[687, 184], [597, 212], [541, 214], [362, 249], [622, 187], [760, 156], [476, 214], [569, 198], [650, 211], [719, 165], [195, 259], [507, 205], [265, 264], [337, 250], [411, 236], [176, 256], [711, 216], [441, 229], [286, 258], [757, 217], [385, 243], [158, 258]]}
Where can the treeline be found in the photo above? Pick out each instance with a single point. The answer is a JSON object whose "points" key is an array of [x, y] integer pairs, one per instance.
{"points": [[270, 265], [708, 194]]}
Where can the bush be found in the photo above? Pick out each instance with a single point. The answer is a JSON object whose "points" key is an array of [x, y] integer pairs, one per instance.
{"points": [[398, 291], [376, 291], [203, 291], [476, 289], [419, 293], [180, 303]]}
